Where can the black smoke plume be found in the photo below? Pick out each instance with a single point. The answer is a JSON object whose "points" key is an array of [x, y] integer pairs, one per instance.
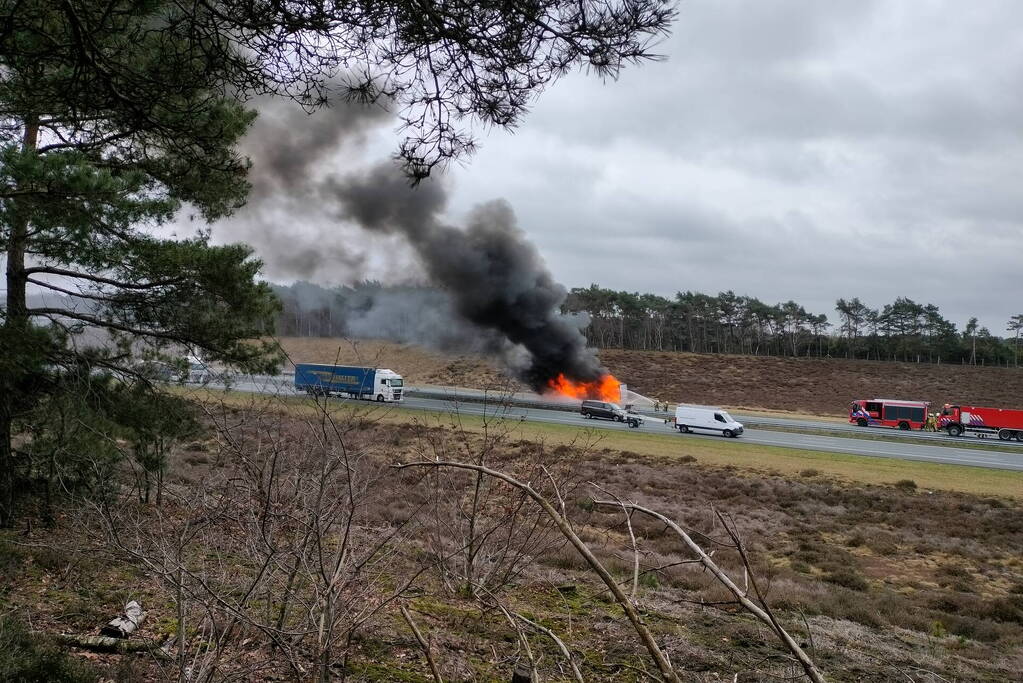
{"points": [[494, 275], [495, 278]]}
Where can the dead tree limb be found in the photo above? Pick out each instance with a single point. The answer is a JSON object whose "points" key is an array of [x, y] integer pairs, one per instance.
{"points": [[111, 644], [423, 643], [811, 670], [632, 538], [523, 640], [623, 600], [557, 641]]}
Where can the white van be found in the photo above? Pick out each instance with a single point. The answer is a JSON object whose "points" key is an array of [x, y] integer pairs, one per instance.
{"points": [[713, 419]]}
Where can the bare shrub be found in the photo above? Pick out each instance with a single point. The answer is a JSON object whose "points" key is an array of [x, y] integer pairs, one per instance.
{"points": [[483, 533], [756, 606], [286, 542]]}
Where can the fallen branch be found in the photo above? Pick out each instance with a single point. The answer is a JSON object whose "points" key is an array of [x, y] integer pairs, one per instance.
{"points": [[422, 643], [557, 641], [114, 645]]}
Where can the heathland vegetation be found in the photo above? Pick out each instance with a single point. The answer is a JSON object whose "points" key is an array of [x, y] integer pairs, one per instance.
{"points": [[248, 570]]}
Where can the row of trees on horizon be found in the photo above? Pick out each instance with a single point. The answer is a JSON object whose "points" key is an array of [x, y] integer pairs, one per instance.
{"points": [[902, 330]]}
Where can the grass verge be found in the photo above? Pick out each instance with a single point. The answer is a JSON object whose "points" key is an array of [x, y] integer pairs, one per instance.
{"points": [[733, 453], [882, 434]]}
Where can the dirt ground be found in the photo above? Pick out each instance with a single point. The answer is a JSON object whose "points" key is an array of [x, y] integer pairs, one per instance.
{"points": [[880, 583], [415, 363], [800, 385]]}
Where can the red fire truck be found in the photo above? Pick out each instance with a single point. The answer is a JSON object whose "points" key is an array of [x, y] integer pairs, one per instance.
{"points": [[1006, 423], [886, 412]]}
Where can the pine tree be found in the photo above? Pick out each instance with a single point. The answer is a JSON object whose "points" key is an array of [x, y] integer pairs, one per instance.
{"points": [[93, 155], [117, 114]]}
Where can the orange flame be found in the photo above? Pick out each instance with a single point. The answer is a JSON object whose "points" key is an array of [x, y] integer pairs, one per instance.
{"points": [[607, 388]]}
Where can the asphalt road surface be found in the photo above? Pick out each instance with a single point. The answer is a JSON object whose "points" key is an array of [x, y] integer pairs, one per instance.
{"points": [[918, 449]]}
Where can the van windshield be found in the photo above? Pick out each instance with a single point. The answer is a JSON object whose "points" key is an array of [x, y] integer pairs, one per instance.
{"points": [[728, 418]]}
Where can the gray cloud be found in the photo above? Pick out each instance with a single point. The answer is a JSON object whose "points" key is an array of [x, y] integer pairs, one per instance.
{"points": [[787, 150]]}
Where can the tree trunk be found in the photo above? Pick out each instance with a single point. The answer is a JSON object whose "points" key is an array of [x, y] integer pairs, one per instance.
{"points": [[16, 318], [6, 461]]}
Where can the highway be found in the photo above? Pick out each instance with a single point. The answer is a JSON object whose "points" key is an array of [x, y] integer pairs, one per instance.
{"points": [[467, 402], [776, 423]]}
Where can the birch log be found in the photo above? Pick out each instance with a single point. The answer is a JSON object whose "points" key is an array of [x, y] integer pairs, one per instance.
{"points": [[126, 624], [114, 645]]}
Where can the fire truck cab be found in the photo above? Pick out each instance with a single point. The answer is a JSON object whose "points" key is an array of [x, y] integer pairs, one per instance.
{"points": [[1006, 423], [886, 412]]}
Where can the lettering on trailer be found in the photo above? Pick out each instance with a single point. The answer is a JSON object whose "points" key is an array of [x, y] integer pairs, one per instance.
{"points": [[325, 376]]}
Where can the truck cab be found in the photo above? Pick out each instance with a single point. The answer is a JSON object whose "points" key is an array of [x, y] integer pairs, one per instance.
{"points": [[388, 385]]}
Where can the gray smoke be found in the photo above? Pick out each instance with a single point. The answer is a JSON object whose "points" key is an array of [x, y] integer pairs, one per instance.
{"points": [[495, 280], [494, 275], [405, 314], [291, 152]]}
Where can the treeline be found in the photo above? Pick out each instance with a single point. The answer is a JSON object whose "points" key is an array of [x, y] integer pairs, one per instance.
{"points": [[691, 321], [729, 323]]}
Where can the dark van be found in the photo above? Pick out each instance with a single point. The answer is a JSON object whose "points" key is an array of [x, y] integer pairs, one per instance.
{"points": [[609, 411]]}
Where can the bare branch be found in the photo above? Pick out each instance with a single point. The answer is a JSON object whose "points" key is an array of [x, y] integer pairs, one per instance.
{"points": [[630, 610], [557, 641], [422, 643], [808, 666]]}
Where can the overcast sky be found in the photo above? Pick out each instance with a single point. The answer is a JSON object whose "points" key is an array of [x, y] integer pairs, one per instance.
{"points": [[785, 149]]}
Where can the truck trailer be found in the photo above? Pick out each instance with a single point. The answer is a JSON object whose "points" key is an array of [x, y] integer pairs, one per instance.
{"points": [[1005, 422], [380, 384]]}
